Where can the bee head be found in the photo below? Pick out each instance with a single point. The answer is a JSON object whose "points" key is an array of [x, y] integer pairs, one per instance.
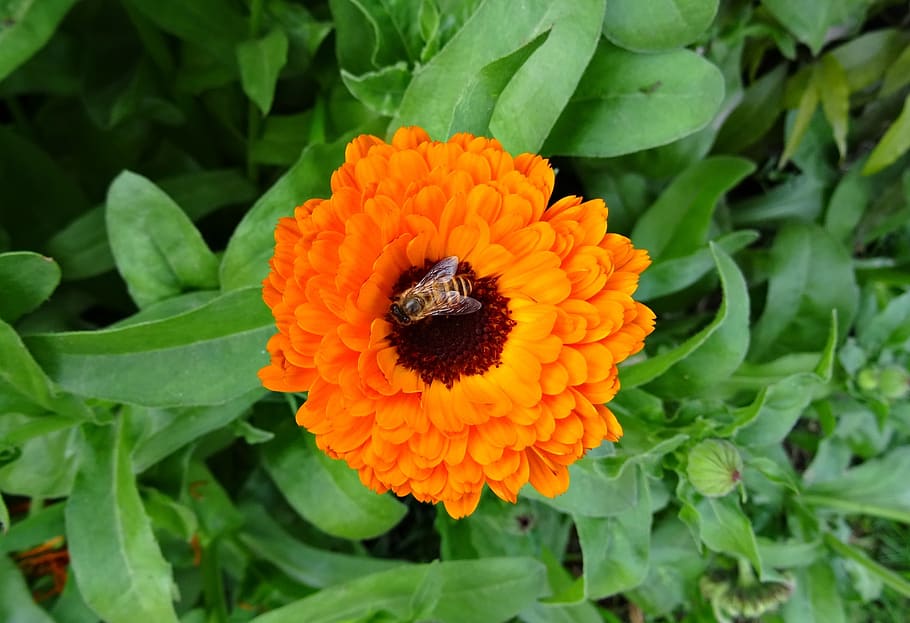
{"points": [[399, 315]]}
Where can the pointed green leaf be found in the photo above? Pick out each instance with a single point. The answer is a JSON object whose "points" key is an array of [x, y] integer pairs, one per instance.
{"points": [[306, 564], [261, 61], [897, 75], [724, 527], [16, 602], [817, 597], [808, 20], [678, 222], [380, 90], [217, 347], [893, 144], [808, 103], [616, 549], [658, 24], [331, 496], [678, 273], [25, 27], [23, 383], [725, 343], [755, 114], [117, 563], [877, 488], [158, 251], [628, 102], [246, 259], [797, 310], [26, 281], [528, 107], [492, 589], [831, 80]]}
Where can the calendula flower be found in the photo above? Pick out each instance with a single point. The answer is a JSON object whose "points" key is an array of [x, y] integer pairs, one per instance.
{"points": [[508, 392]]}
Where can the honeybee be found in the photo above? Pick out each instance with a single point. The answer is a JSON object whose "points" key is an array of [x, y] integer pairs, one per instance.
{"points": [[440, 293]]}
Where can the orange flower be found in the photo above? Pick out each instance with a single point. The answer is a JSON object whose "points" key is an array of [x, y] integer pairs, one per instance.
{"points": [[505, 395]]}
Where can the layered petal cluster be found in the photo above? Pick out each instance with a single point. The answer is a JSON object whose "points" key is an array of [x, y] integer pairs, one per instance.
{"points": [[511, 394]]}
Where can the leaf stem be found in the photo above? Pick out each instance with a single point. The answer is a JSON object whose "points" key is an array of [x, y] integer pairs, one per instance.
{"points": [[887, 576]]}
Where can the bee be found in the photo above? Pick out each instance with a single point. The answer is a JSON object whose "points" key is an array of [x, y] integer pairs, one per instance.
{"points": [[440, 293]]}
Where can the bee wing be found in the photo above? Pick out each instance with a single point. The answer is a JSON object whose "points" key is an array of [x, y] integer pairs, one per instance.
{"points": [[441, 272], [454, 304]]}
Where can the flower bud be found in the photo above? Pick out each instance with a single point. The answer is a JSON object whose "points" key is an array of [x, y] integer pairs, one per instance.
{"points": [[715, 467], [894, 382]]}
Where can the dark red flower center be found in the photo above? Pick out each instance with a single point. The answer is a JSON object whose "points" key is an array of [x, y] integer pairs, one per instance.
{"points": [[445, 348]]}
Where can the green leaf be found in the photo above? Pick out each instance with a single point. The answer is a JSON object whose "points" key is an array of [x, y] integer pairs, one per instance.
{"points": [[26, 280], [23, 383], [593, 492], [835, 97], [808, 20], [817, 598], [897, 75], [38, 527], [847, 205], [866, 58], [246, 259], [4, 517], [380, 90], [678, 222], [627, 102], [166, 513], [754, 116], [712, 355], [43, 451], [889, 326], [527, 109], [723, 526], [776, 409], [492, 589], [657, 25], [797, 310], [308, 565], [217, 348], [616, 549], [82, 248], [16, 602], [117, 563], [32, 183], [158, 251], [175, 428], [877, 488], [808, 104], [799, 197], [893, 144], [260, 62], [889, 577], [678, 273], [331, 496], [214, 25], [478, 100], [26, 27]]}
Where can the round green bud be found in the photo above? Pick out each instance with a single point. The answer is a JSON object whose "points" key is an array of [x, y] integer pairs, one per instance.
{"points": [[867, 379], [715, 467], [894, 382]]}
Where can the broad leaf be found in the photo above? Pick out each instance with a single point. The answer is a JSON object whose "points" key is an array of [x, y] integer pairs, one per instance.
{"points": [[810, 274], [697, 365], [627, 102], [157, 249], [657, 25], [117, 563], [246, 259], [260, 62], [205, 356], [331, 496], [678, 222], [616, 549], [492, 589], [26, 28], [26, 280]]}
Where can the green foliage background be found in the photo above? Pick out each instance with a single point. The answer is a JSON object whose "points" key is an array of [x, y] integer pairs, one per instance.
{"points": [[757, 149]]}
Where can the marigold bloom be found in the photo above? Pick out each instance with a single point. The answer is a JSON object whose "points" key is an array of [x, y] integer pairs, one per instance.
{"points": [[510, 394]]}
